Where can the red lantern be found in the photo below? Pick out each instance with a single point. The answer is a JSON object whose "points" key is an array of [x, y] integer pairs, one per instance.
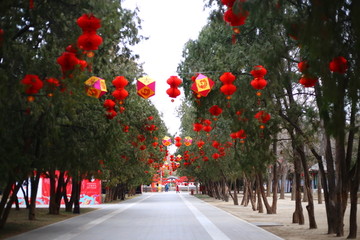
{"points": [[227, 78], [258, 71], [197, 127], [262, 116], [110, 114], [174, 82], [339, 65], [109, 104], [258, 83], [215, 156], [120, 94], [68, 61], [120, 82], [228, 89], [207, 128], [303, 66], [88, 23], [89, 41], [200, 144], [216, 144], [173, 92], [235, 19], [33, 83], [215, 110], [308, 81]]}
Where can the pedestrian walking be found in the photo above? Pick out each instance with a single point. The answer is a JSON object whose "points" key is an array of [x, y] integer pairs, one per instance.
{"points": [[177, 189]]}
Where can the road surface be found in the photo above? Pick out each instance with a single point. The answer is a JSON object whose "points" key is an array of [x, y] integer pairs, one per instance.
{"points": [[153, 216]]}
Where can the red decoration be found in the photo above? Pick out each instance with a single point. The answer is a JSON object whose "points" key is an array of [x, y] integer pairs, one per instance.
{"points": [[258, 71], [215, 156], [89, 41], [109, 104], [216, 144], [258, 83], [215, 110], [33, 84], [235, 19], [339, 65], [120, 93], [88, 23], [308, 81], [197, 127], [303, 66], [262, 116], [200, 144], [228, 3], [110, 114], [174, 83], [68, 61], [228, 87]]}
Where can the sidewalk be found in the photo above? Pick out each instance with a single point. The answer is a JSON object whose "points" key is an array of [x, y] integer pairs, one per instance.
{"points": [[281, 223]]}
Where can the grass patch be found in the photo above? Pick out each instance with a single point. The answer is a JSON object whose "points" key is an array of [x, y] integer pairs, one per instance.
{"points": [[202, 196], [18, 222]]}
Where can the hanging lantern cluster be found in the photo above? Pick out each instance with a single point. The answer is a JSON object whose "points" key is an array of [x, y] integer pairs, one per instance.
{"points": [[89, 40], [306, 79], [235, 16], [263, 117], [241, 134], [228, 88], [202, 85], [178, 142], [69, 61], [109, 105], [32, 84], [120, 93], [207, 125], [258, 83], [174, 83]]}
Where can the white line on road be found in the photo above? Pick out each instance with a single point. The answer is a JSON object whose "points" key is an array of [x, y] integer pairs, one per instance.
{"points": [[211, 228], [91, 224]]}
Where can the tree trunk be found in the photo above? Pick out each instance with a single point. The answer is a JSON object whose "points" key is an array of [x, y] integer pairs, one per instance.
{"points": [[10, 190], [76, 194], [26, 193], [319, 185], [307, 187], [284, 170], [258, 194], [235, 198], [262, 191], [354, 187], [59, 191], [52, 202], [298, 216], [275, 189], [34, 180]]}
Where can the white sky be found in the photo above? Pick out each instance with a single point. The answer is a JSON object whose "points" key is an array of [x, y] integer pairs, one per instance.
{"points": [[169, 24]]}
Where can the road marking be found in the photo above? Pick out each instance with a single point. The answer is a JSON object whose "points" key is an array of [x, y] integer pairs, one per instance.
{"points": [[97, 221], [210, 227]]}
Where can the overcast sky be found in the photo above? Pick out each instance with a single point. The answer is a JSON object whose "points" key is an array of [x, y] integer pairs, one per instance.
{"points": [[169, 24]]}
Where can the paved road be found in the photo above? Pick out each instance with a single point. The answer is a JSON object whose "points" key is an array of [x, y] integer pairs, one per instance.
{"points": [[153, 216]]}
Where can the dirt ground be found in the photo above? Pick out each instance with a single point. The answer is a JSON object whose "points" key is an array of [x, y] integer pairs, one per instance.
{"points": [[282, 221]]}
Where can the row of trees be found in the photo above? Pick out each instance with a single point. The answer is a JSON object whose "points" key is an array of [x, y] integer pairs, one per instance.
{"points": [[308, 125], [61, 128]]}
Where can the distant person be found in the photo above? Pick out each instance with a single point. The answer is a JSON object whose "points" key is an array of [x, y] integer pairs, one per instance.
{"points": [[166, 187], [177, 189]]}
